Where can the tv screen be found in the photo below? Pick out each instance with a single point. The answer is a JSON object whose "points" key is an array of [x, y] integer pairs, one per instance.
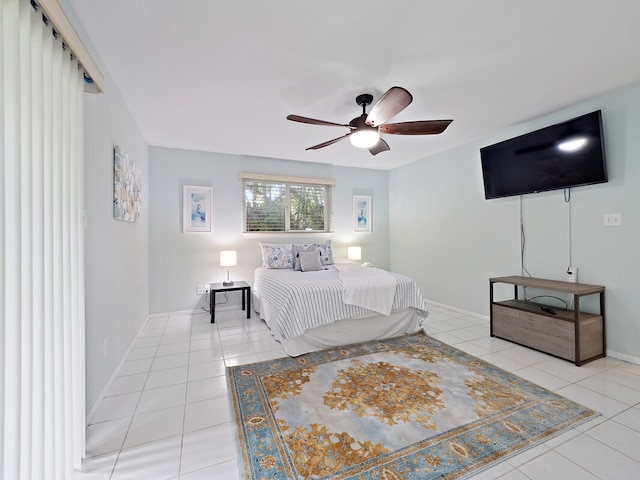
{"points": [[568, 154]]}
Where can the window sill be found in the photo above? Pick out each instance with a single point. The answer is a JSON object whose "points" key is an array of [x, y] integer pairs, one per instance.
{"points": [[286, 234]]}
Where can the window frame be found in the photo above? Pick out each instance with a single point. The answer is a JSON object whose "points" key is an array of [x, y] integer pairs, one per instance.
{"points": [[288, 182]]}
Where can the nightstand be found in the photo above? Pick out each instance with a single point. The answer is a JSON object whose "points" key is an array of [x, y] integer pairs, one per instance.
{"points": [[237, 286]]}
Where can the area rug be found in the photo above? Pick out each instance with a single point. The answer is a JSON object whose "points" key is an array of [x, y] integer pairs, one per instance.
{"points": [[405, 408]]}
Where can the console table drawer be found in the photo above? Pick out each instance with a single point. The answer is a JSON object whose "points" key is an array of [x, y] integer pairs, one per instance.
{"points": [[549, 333]]}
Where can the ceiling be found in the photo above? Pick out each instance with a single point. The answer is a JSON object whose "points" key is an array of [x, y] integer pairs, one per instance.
{"points": [[222, 76]]}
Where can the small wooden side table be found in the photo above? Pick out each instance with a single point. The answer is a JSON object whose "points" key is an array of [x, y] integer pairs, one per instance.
{"points": [[237, 286]]}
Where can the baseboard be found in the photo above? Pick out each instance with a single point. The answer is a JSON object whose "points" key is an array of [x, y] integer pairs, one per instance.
{"points": [[456, 309], [104, 391], [177, 313], [623, 356], [219, 308]]}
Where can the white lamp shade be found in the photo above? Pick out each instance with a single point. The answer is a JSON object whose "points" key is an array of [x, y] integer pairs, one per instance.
{"points": [[364, 137], [228, 258], [354, 253]]}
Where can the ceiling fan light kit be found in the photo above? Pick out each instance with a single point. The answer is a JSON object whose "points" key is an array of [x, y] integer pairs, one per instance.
{"points": [[364, 138], [365, 130]]}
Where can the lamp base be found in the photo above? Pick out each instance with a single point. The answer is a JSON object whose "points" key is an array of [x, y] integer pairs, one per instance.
{"points": [[227, 283]]}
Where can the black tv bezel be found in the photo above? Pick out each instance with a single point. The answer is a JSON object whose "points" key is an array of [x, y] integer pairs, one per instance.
{"points": [[536, 133]]}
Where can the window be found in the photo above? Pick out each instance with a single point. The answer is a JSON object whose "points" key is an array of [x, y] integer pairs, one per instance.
{"points": [[286, 204]]}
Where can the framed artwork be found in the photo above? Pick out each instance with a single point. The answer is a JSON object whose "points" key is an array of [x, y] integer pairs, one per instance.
{"points": [[127, 184], [197, 208], [361, 213]]}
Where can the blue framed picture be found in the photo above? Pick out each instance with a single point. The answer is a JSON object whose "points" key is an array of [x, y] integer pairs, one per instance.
{"points": [[197, 208], [361, 213]]}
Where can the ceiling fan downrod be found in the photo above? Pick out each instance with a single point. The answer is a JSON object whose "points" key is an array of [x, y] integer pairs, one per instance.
{"points": [[363, 100]]}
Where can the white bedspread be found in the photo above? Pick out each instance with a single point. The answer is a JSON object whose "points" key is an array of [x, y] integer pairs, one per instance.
{"points": [[370, 288], [293, 302]]}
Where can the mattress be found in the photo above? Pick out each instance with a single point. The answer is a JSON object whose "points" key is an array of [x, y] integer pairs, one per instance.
{"points": [[293, 302]]}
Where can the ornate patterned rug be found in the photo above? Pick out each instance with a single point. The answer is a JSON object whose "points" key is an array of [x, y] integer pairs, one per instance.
{"points": [[405, 408]]}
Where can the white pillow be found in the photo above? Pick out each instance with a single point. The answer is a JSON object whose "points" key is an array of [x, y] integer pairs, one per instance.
{"points": [[301, 248], [310, 261]]}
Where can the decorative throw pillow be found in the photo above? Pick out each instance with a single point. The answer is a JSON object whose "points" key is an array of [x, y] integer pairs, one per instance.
{"points": [[326, 254], [296, 254], [276, 255], [310, 261]]}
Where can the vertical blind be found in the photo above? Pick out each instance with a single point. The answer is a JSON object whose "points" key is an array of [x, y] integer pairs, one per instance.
{"points": [[42, 250]]}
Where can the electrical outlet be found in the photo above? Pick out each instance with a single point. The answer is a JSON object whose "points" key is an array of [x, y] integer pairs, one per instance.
{"points": [[572, 274], [612, 219], [199, 290], [105, 347]]}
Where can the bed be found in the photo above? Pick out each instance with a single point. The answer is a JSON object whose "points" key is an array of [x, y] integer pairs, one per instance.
{"points": [[332, 305]]}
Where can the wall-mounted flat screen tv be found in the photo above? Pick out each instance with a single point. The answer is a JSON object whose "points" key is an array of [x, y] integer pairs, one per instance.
{"points": [[565, 155]]}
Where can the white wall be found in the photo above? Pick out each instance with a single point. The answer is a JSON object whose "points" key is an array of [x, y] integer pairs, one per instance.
{"points": [[180, 261], [447, 236], [117, 252]]}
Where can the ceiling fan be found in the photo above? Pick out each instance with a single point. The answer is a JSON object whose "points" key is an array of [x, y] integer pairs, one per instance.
{"points": [[365, 130]]}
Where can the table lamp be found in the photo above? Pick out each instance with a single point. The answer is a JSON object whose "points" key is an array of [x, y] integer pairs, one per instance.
{"points": [[354, 253], [228, 258]]}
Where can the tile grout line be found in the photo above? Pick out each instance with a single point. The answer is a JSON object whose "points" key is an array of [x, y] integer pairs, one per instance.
{"points": [[124, 440]]}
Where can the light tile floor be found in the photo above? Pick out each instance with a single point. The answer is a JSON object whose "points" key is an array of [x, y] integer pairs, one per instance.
{"points": [[166, 414]]}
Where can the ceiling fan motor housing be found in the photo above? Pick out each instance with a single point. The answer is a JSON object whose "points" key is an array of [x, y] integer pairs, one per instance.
{"points": [[364, 99], [360, 123]]}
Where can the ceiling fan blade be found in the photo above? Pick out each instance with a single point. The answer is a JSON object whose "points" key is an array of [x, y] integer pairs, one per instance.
{"points": [[379, 147], [313, 121], [330, 142], [390, 104], [424, 127]]}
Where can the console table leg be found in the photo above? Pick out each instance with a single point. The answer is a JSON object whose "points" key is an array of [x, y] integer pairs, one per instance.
{"points": [[604, 330], [491, 309], [576, 321], [212, 300]]}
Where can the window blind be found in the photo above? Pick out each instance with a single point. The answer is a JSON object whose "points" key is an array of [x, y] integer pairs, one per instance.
{"points": [[286, 204]]}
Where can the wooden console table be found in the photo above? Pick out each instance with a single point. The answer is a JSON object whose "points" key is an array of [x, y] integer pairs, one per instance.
{"points": [[570, 334]]}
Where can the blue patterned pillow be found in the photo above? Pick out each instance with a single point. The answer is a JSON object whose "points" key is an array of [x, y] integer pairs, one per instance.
{"points": [[326, 254], [276, 255]]}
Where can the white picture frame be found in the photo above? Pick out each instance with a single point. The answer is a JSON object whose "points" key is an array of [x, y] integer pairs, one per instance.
{"points": [[197, 208], [362, 213]]}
